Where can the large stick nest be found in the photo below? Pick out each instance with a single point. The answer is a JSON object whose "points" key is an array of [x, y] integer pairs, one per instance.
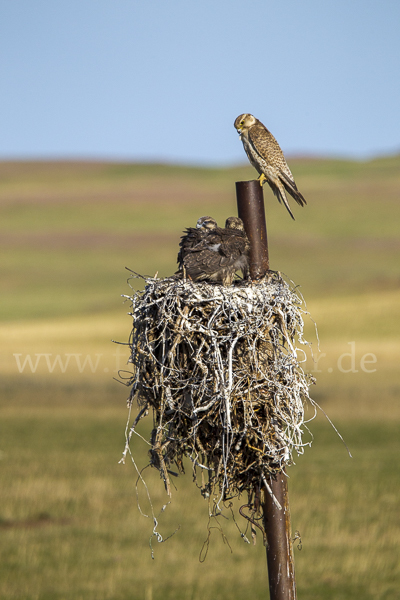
{"points": [[218, 366]]}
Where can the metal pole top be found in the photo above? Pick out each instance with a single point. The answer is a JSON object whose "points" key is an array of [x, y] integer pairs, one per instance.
{"points": [[250, 202]]}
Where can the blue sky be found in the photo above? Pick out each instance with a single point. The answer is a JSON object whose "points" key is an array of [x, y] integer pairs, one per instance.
{"points": [[164, 79]]}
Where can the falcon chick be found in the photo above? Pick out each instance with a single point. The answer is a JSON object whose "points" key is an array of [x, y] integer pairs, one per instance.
{"points": [[194, 236], [266, 156], [242, 244], [218, 254]]}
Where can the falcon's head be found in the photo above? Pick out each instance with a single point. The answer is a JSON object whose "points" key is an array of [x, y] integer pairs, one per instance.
{"points": [[206, 223], [234, 223], [243, 122]]}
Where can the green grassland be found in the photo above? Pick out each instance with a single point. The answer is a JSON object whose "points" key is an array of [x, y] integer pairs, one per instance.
{"points": [[69, 522]]}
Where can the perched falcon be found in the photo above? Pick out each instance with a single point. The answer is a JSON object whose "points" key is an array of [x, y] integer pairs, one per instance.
{"points": [[194, 236], [267, 158], [218, 254]]}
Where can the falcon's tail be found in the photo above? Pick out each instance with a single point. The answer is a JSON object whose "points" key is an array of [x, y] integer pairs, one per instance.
{"points": [[291, 188], [279, 193]]}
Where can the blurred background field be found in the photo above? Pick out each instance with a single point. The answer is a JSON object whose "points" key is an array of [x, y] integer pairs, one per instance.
{"points": [[69, 522]]}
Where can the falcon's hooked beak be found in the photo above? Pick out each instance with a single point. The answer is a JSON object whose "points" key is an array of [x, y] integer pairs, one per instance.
{"points": [[239, 129]]}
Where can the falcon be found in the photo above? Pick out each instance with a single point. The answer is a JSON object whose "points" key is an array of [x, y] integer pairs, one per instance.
{"points": [[236, 227], [266, 156], [194, 236], [218, 255]]}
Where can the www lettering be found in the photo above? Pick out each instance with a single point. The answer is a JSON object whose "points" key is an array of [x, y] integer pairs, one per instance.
{"points": [[56, 361]]}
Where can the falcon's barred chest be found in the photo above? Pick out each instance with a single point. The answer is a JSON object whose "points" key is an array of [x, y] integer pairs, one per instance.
{"points": [[255, 158]]}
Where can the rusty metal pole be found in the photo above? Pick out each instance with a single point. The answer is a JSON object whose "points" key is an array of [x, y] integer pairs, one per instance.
{"points": [[282, 584], [250, 203]]}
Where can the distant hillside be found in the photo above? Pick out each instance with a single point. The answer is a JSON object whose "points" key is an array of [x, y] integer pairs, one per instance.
{"points": [[69, 228]]}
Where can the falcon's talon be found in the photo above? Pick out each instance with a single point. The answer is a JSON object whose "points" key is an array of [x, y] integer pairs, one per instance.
{"points": [[261, 179]]}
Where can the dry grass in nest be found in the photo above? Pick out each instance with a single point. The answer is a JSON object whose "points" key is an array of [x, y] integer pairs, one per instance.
{"points": [[218, 366]]}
